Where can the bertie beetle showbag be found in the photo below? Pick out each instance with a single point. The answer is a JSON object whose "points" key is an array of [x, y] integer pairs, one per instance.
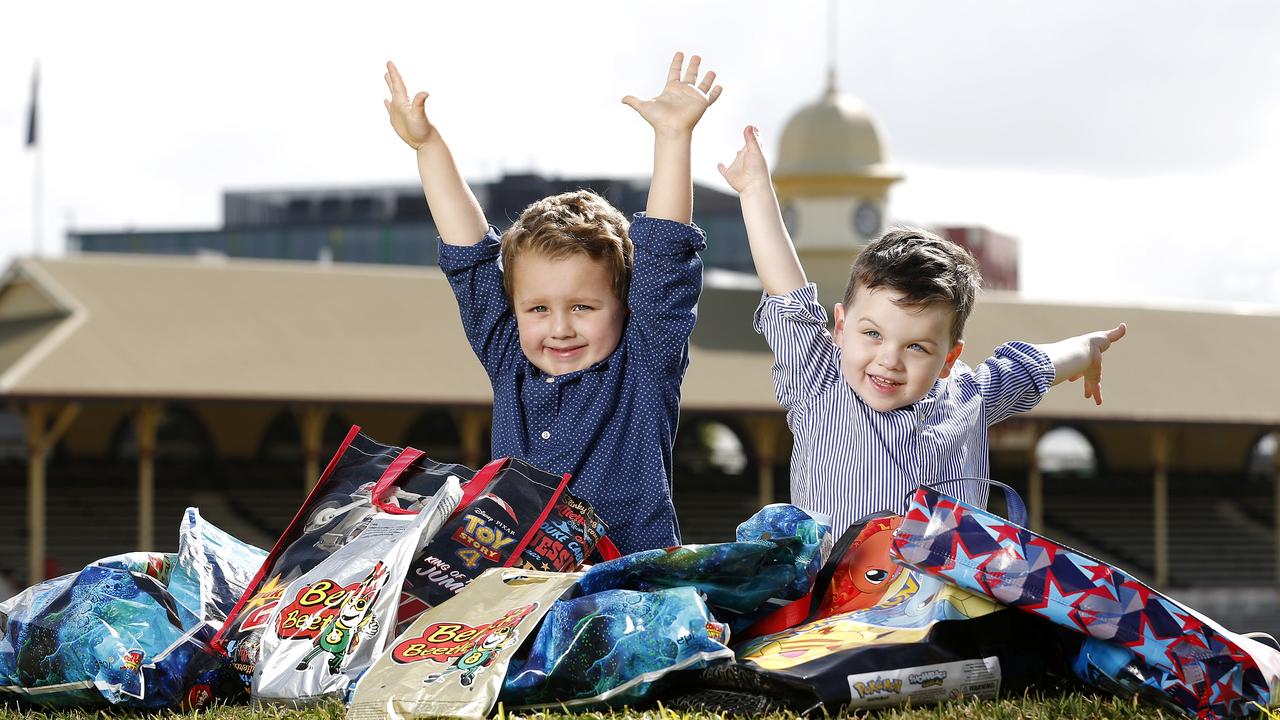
{"points": [[333, 621], [452, 660]]}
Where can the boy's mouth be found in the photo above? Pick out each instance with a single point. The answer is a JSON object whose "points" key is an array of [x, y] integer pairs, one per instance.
{"points": [[883, 384], [565, 353]]}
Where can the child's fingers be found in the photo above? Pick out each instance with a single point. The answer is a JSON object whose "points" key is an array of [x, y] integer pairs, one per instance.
{"points": [[691, 72], [632, 102], [1117, 333], [724, 170], [715, 93], [677, 62], [707, 80], [420, 101]]}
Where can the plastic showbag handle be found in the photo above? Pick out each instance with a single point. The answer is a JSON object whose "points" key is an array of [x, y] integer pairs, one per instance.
{"points": [[1016, 510], [385, 484]]}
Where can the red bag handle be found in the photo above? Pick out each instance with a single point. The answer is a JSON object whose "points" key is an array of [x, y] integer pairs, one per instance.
{"points": [[386, 483], [606, 549], [478, 483]]}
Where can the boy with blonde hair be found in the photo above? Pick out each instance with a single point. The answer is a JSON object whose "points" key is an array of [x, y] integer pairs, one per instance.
{"points": [[885, 404], [584, 327]]}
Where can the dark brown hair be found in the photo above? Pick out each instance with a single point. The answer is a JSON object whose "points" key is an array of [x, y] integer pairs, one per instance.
{"points": [[924, 268], [573, 223]]}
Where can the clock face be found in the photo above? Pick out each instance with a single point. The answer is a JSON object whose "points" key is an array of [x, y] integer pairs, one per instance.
{"points": [[866, 220], [790, 218]]}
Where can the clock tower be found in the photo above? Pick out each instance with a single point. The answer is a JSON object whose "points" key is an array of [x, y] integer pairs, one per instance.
{"points": [[833, 185]]}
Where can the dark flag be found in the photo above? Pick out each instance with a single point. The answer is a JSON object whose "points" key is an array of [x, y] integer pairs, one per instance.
{"points": [[31, 118]]}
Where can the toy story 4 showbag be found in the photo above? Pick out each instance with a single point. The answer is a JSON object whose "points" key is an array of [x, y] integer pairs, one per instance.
{"points": [[336, 619], [874, 634], [1140, 641], [335, 513], [128, 630], [452, 659], [515, 515]]}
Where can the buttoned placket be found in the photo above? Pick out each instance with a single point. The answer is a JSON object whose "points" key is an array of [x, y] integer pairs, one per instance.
{"points": [[545, 395]]}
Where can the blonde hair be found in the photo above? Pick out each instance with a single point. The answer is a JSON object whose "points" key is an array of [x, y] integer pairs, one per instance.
{"points": [[573, 223]]}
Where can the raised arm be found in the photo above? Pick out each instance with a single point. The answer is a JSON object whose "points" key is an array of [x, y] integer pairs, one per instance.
{"points": [[771, 248], [1081, 357], [454, 208], [673, 115]]}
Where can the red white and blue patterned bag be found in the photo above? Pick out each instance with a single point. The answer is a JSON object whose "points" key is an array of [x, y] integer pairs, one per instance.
{"points": [[1174, 653]]}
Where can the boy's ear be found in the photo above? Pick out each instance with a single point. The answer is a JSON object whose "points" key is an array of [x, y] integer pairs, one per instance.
{"points": [[952, 357], [837, 311]]}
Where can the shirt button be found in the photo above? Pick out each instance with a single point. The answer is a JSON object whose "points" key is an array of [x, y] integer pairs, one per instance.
{"points": [[546, 434], [551, 379]]}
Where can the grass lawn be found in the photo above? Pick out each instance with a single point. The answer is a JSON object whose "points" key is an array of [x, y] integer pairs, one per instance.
{"points": [[1072, 706]]}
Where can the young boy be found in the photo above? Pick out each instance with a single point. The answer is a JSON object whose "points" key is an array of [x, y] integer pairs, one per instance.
{"points": [[885, 405], [582, 323]]}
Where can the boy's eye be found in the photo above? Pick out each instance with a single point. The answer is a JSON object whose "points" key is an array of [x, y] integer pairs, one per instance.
{"points": [[538, 309], [581, 308], [873, 334], [917, 347]]}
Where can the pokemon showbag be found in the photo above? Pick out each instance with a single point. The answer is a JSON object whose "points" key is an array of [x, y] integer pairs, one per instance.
{"points": [[875, 634], [1165, 647], [336, 619], [128, 630], [337, 510], [514, 515], [452, 659]]}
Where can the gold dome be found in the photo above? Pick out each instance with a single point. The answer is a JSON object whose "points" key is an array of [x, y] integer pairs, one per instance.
{"points": [[834, 136]]}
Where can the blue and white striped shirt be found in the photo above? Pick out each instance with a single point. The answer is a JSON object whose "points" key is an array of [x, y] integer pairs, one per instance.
{"points": [[849, 460]]}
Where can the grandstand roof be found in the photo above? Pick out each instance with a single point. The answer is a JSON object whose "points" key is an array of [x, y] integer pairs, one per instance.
{"points": [[125, 327]]}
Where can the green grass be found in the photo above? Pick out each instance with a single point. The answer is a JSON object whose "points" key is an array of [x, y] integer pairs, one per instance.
{"points": [[1071, 706]]}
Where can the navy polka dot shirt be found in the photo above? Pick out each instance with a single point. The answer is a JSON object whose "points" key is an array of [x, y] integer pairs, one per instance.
{"points": [[612, 425]]}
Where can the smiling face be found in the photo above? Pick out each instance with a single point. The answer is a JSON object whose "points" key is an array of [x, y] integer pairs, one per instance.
{"points": [[891, 354], [567, 312]]}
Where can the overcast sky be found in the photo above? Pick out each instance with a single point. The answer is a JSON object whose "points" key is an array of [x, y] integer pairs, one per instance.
{"points": [[1131, 147]]}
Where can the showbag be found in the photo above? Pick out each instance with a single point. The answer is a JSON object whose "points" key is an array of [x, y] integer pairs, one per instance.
{"points": [[335, 513], [336, 619], [128, 630], [452, 659], [1165, 648], [513, 515]]}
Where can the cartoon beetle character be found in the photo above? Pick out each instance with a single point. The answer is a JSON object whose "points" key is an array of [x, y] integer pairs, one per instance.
{"points": [[479, 656], [341, 633]]}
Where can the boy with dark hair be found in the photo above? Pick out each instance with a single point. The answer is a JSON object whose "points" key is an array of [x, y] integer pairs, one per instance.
{"points": [[584, 327], [885, 404]]}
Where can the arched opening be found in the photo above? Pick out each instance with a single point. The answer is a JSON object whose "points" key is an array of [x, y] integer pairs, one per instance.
{"points": [[1064, 451], [715, 479], [1261, 465], [435, 433], [281, 442]]}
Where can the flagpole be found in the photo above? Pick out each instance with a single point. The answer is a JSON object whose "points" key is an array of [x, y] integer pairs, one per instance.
{"points": [[37, 172], [37, 199]]}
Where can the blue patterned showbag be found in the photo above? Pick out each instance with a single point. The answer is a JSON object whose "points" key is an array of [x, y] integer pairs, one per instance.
{"points": [[129, 630], [1141, 640]]}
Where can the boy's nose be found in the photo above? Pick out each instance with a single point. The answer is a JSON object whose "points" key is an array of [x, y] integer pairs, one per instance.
{"points": [[889, 358], [560, 326]]}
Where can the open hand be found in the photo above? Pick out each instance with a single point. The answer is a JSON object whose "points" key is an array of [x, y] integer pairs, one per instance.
{"points": [[749, 169], [408, 117], [682, 102], [1098, 344]]}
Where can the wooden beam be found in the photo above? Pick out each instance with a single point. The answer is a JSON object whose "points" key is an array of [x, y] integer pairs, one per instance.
{"points": [[1035, 481], [311, 421], [41, 439], [764, 431], [1160, 498], [471, 424], [146, 424]]}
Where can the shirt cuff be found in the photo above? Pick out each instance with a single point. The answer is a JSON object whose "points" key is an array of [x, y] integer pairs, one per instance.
{"points": [[666, 237], [799, 305], [461, 257], [1037, 364]]}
